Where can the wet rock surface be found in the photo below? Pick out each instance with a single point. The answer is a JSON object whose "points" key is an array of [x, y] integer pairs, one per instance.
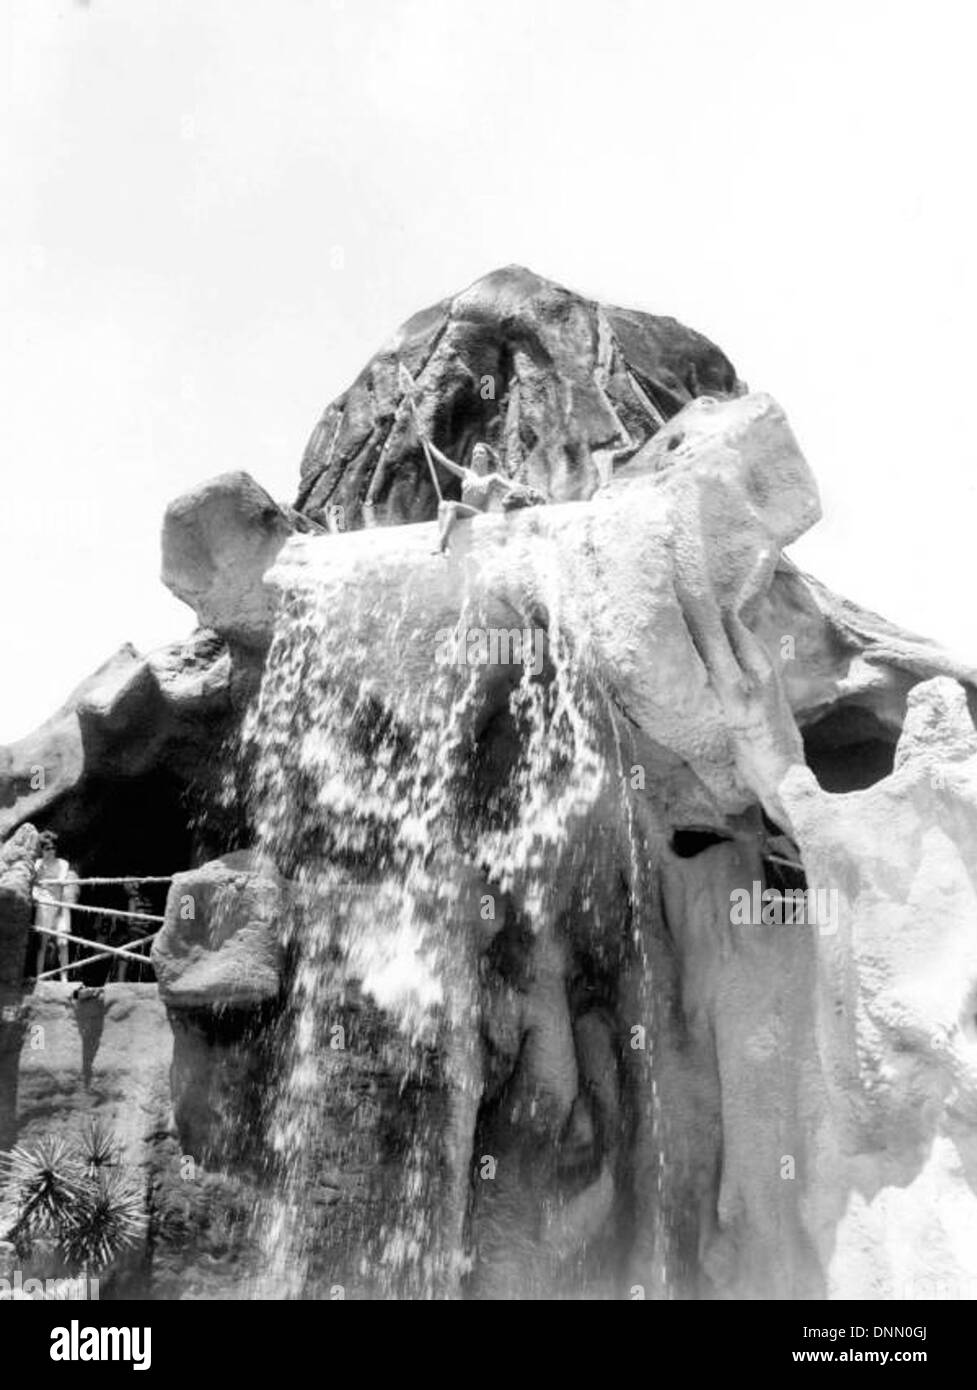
{"points": [[630, 956], [220, 945]]}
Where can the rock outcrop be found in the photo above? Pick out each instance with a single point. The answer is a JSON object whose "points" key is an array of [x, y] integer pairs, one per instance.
{"points": [[17, 858], [220, 945], [132, 716], [560, 386], [113, 770], [218, 541], [890, 1203], [724, 674], [599, 910]]}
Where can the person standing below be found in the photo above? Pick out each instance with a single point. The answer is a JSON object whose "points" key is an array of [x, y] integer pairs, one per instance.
{"points": [[55, 890]]}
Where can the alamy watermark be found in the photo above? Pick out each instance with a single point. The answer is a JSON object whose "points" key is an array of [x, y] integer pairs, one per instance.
{"points": [[17, 1288], [787, 907], [77, 1343], [491, 646]]}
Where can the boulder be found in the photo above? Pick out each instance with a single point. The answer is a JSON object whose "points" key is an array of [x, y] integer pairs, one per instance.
{"points": [[218, 541], [939, 728], [220, 945], [218, 960]]}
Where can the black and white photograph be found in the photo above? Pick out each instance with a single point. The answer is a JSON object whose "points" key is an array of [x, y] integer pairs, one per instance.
{"points": [[488, 719]]}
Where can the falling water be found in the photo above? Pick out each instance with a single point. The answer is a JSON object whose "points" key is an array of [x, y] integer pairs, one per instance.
{"points": [[642, 859], [358, 791], [350, 799]]}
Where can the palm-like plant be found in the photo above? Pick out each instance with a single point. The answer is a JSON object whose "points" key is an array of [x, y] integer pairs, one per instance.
{"points": [[48, 1182], [109, 1218], [76, 1197], [99, 1148]]}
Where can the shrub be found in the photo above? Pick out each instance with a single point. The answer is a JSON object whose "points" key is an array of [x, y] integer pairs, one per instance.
{"points": [[76, 1197]]}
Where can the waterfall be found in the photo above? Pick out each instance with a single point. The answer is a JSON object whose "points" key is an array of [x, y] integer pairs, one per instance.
{"points": [[373, 795]]}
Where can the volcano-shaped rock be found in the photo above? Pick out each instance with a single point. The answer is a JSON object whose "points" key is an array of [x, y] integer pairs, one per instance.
{"points": [[562, 387]]}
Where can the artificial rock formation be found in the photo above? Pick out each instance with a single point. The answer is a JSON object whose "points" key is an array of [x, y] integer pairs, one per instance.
{"points": [[109, 770], [17, 858], [218, 541], [560, 386], [656, 578], [219, 943], [600, 921], [894, 1147], [720, 665]]}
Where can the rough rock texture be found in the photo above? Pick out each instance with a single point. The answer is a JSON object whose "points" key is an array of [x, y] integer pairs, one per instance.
{"points": [[135, 718], [891, 1206], [220, 943], [559, 385], [109, 1057], [570, 1067], [218, 961], [658, 578], [845, 669], [732, 683], [17, 859], [108, 1053], [218, 1080], [139, 735], [104, 1057], [218, 541]]}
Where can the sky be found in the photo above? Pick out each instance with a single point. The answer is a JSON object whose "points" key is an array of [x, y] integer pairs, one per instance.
{"points": [[212, 214]]}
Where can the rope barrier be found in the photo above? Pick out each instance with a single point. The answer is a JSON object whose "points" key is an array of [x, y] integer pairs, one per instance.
{"points": [[790, 863], [132, 878], [105, 954], [102, 951], [98, 911], [81, 941]]}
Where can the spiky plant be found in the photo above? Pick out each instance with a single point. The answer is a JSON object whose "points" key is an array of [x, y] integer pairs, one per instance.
{"points": [[48, 1183], [107, 1220], [98, 1147]]}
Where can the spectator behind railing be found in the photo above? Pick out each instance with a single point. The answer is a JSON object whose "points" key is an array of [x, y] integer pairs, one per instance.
{"points": [[52, 903]]}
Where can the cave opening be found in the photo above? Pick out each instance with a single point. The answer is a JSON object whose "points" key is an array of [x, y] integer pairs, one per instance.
{"points": [[121, 828], [849, 749], [692, 840]]}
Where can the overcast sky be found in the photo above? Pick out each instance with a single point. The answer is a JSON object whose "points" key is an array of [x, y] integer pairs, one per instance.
{"points": [[213, 213]]}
